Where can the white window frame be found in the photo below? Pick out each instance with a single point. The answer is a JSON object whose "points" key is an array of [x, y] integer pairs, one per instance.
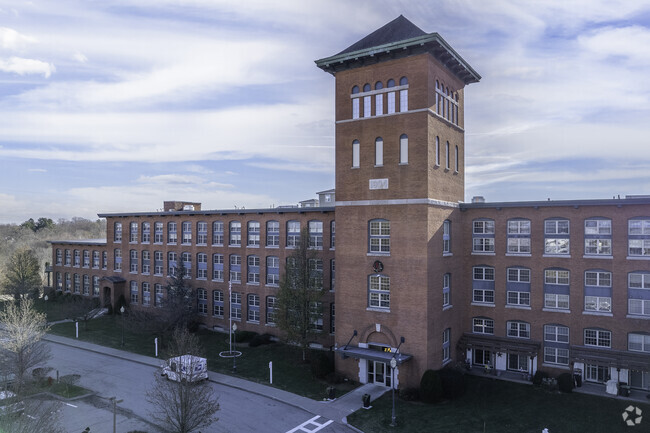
{"points": [[597, 338], [517, 329], [638, 342], [379, 292], [379, 236], [482, 325], [556, 301], [514, 297]]}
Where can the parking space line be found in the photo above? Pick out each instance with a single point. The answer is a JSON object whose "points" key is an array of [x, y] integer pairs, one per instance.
{"points": [[316, 426], [71, 405]]}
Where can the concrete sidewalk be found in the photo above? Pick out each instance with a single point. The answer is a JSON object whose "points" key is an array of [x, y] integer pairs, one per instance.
{"points": [[336, 410]]}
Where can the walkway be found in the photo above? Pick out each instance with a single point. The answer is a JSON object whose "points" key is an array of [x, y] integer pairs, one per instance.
{"points": [[336, 410]]}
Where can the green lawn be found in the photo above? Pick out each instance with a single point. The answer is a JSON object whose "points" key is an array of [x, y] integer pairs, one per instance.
{"points": [[289, 372], [491, 405]]}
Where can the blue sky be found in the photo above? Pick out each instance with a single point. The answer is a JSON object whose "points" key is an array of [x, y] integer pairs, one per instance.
{"points": [[116, 106]]}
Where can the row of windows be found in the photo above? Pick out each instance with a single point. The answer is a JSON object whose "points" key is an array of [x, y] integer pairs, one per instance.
{"points": [[76, 283], [403, 153], [446, 103], [140, 261], [99, 258], [597, 236], [142, 232], [374, 98]]}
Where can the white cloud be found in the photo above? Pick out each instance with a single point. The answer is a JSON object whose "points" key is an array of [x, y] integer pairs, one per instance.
{"points": [[10, 39], [21, 66], [80, 57]]}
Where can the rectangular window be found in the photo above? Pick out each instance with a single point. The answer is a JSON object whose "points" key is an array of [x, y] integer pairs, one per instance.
{"points": [[187, 232], [171, 263], [556, 355], [332, 318], [117, 259], [598, 237], [293, 234], [217, 233], [519, 275], [332, 275], [77, 258], [367, 107], [598, 338], [158, 233], [598, 303], [556, 334], [556, 236], [253, 270], [639, 247], [482, 326], [391, 102], [518, 329], [217, 267], [554, 301], [158, 263], [483, 236], [172, 234], [95, 259], [146, 233], [379, 152], [146, 262], [202, 233], [272, 270], [117, 232], [403, 100], [271, 309], [272, 234], [134, 292], [235, 305], [86, 259], [379, 292], [235, 268], [217, 303], [95, 285], [598, 247], [146, 294], [316, 234], [483, 296], [638, 227], [518, 245], [355, 154], [68, 258], [133, 233], [202, 266], [59, 257], [355, 108], [446, 237], [235, 234], [379, 104], [316, 313], [602, 279], [379, 236], [158, 300], [446, 290], [446, 346], [332, 234], [483, 273], [253, 308], [86, 285], [518, 298], [552, 276], [638, 342], [598, 227], [253, 234]]}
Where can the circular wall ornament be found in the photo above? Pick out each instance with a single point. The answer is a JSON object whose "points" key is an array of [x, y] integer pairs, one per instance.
{"points": [[377, 266]]}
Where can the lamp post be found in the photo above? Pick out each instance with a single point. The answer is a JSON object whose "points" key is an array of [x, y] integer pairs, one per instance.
{"points": [[393, 364], [45, 298], [234, 338], [122, 313]]}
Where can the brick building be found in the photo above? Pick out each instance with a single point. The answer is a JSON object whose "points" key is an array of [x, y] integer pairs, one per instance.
{"points": [[421, 277]]}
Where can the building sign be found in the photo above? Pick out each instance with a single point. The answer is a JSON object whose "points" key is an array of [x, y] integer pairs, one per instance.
{"points": [[378, 183]]}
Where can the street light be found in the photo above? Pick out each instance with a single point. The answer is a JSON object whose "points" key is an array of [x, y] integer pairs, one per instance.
{"points": [[234, 340], [45, 298], [122, 313], [393, 364]]}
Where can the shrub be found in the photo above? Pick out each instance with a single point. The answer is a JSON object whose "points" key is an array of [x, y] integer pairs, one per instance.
{"points": [[409, 394], [565, 382], [453, 383], [322, 364], [244, 336], [259, 340], [430, 387], [539, 377]]}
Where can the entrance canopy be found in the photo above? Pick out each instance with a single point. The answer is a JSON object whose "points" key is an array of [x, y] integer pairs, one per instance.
{"points": [[499, 344], [357, 352]]}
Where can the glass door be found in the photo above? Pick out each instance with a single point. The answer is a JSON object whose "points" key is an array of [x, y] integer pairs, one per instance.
{"points": [[640, 379], [379, 373], [596, 373]]}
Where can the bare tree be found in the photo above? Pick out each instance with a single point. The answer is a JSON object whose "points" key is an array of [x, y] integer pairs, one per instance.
{"points": [[299, 299], [20, 335], [22, 274], [187, 405], [35, 415]]}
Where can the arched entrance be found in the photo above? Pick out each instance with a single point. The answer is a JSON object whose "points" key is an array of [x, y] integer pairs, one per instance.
{"points": [[112, 288]]}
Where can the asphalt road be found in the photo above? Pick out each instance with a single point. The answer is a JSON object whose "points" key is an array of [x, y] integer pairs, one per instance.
{"points": [[240, 411]]}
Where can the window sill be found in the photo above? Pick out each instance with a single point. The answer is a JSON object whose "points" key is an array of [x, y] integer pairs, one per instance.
{"points": [[234, 246], [481, 304], [145, 242], [217, 317], [378, 310], [556, 310], [201, 279], [519, 255], [446, 361], [202, 245], [252, 246], [447, 254], [217, 281], [254, 322], [638, 257], [252, 284], [447, 307], [518, 307], [272, 325], [597, 313], [273, 246], [637, 316], [378, 254], [563, 256], [597, 256], [481, 253], [217, 245], [275, 286]]}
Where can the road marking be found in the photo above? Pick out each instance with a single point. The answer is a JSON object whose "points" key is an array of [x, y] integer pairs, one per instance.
{"points": [[71, 405], [317, 426], [29, 416]]}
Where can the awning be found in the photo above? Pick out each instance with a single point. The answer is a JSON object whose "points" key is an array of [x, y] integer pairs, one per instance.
{"points": [[372, 354], [499, 344], [610, 358]]}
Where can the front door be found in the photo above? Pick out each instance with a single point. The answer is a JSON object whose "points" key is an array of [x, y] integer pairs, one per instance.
{"points": [[379, 373]]}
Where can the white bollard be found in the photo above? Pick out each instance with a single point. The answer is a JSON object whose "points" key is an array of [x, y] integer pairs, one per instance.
{"points": [[271, 371], [76, 325], [155, 342]]}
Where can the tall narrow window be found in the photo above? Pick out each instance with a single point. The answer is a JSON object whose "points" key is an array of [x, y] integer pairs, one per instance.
{"points": [[456, 161], [379, 291], [379, 152], [446, 290], [379, 236], [355, 153], [235, 233], [403, 95], [235, 268], [146, 233], [172, 234], [293, 234], [253, 270], [446, 237], [355, 103], [367, 106], [117, 232], [447, 156], [437, 151], [187, 232], [202, 266], [272, 234], [403, 149], [133, 232], [217, 303], [272, 271], [217, 267], [253, 234], [158, 233], [253, 308], [202, 233], [379, 99], [217, 233], [391, 97], [315, 234], [270, 309]]}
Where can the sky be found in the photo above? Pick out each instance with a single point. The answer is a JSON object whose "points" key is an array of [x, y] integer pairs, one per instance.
{"points": [[116, 106]]}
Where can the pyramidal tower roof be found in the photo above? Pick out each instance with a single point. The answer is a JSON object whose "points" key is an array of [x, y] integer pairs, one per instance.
{"points": [[399, 38]]}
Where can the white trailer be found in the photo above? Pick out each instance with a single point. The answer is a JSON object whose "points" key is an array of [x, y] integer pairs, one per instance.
{"points": [[186, 368]]}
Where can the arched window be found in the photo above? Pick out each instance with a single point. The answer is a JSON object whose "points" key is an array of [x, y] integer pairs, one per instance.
{"points": [[379, 85], [366, 87], [355, 153], [403, 81], [403, 149], [390, 83], [355, 89], [379, 152]]}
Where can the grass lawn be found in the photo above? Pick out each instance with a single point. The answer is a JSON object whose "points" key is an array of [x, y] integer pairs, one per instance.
{"points": [[491, 405], [289, 373]]}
